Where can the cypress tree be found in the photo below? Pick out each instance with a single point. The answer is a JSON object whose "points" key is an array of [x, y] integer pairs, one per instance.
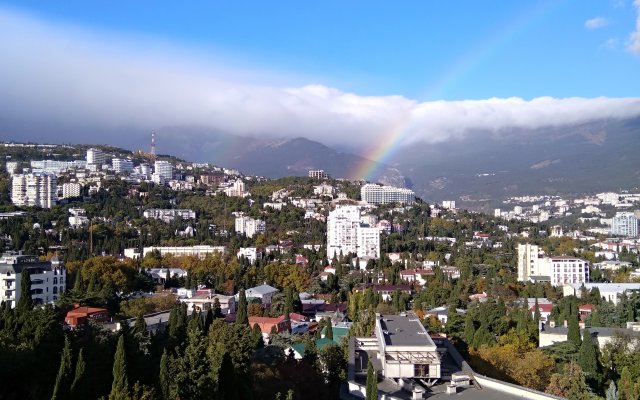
{"points": [[241, 314], [208, 320], [120, 385], [26, 302], [536, 315], [329, 329], [78, 286], [588, 358], [77, 391], [164, 380], [372, 383], [227, 385], [469, 329], [574, 330], [257, 336], [62, 387], [217, 309]]}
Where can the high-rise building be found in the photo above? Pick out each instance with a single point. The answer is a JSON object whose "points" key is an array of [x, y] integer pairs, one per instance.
{"points": [[48, 279], [558, 270], [71, 190], [34, 190], [318, 174], [121, 165], [376, 194], [236, 189], [249, 226], [164, 169], [625, 224], [346, 234], [95, 157], [449, 204]]}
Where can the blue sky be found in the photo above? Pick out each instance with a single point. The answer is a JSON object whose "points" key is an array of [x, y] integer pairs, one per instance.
{"points": [[422, 49], [329, 70]]}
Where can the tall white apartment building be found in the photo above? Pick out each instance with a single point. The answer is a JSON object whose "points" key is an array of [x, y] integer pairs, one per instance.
{"points": [[169, 214], [345, 234], [318, 174], [376, 194], [122, 165], [164, 169], [625, 224], [249, 226], [236, 189], [11, 166], [55, 166], [71, 190], [48, 279], [559, 270], [449, 204], [95, 157], [34, 190]]}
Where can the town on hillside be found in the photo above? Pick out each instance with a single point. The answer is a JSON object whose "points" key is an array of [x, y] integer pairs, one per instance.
{"points": [[133, 275]]}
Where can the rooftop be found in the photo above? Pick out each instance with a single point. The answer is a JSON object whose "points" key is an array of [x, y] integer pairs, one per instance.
{"points": [[401, 330]]}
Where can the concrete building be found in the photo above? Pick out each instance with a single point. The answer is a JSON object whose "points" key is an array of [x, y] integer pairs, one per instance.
{"points": [[263, 292], [555, 334], [377, 194], [121, 165], [559, 270], [55, 166], [609, 291], [249, 226], [250, 253], [318, 174], [34, 190], [163, 169], [196, 251], [449, 204], [237, 189], [71, 190], [625, 224], [95, 157], [169, 214], [48, 279], [345, 234]]}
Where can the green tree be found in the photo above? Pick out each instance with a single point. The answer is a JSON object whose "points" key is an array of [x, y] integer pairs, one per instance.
{"points": [[241, 314], [574, 330], [78, 385], [165, 377], [372, 383], [120, 385], [328, 329], [25, 303], [62, 387]]}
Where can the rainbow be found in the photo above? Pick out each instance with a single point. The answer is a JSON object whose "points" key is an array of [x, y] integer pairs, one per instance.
{"points": [[389, 140]]}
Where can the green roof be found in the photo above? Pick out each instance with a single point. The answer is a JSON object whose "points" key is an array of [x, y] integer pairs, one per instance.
{"points": [[320, 345], [338, 333]]}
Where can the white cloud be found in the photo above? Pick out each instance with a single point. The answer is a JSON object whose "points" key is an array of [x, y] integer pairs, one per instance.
{"points": [[595, 23], [633, 43], [82, 79]]}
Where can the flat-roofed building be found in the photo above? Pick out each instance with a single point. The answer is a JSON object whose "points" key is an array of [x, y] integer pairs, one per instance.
{"points": [[197, 251], [377, 194]]}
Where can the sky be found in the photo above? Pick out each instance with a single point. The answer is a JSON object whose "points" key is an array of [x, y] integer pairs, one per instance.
{"points": [[344, 73]]}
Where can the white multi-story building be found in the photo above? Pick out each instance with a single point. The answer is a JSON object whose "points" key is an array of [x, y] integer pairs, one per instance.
{"points": [[625, 224], [449, 204], [164, 169], [34, 190], [236, 189], [318, 174], [196, 251], [95, 157], [250, 253], [376, 194], [345, 234], [249, 226], [55, 166], [168, 214], [559, 270], [48, 279], [121, 165], [71, 190], [11, 166]]}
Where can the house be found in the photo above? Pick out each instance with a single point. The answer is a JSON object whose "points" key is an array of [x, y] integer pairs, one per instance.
{"points": [[204, 299], [544, 309], [386, 291], [550, 334], [442, 313], [159, 275], [584, 311], [608, 291], [263, 292], [268, 324], [83, 315], [416, 275]]}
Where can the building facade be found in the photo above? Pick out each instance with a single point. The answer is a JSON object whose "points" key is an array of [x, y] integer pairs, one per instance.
{"points": [[318, 174], [34, 190], [377, 194], [121, 165], [625, 224], [169, 214], [95, 157], [71, 190], [48, 279], [345, 234], [558, 270], [164, 169], [249, 226]]}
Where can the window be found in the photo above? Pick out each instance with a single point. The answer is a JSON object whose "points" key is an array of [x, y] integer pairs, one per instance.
{"points": [[55, 289]]}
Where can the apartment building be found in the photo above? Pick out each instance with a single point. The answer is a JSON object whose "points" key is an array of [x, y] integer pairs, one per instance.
{"points": [[533, 265], [48, 278], [34, 190], [346, 234], [377, 194]]}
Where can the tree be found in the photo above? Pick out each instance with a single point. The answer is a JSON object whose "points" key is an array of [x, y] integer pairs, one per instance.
{"points": [[588, 357], [612, 392], [78, 385], [62, 387], [569, 384], [241, 314], [164, 380], [372, 383], [25, 303], [574, 330], [329, 329], [120, 385]]}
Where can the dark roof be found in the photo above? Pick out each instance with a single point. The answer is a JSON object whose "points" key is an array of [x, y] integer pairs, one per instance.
{"points": [[595, 331], [401, 330], [313, 308]]}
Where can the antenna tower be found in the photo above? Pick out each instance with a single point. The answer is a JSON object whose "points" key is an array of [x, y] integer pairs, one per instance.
{"points": [[153, 145]]}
